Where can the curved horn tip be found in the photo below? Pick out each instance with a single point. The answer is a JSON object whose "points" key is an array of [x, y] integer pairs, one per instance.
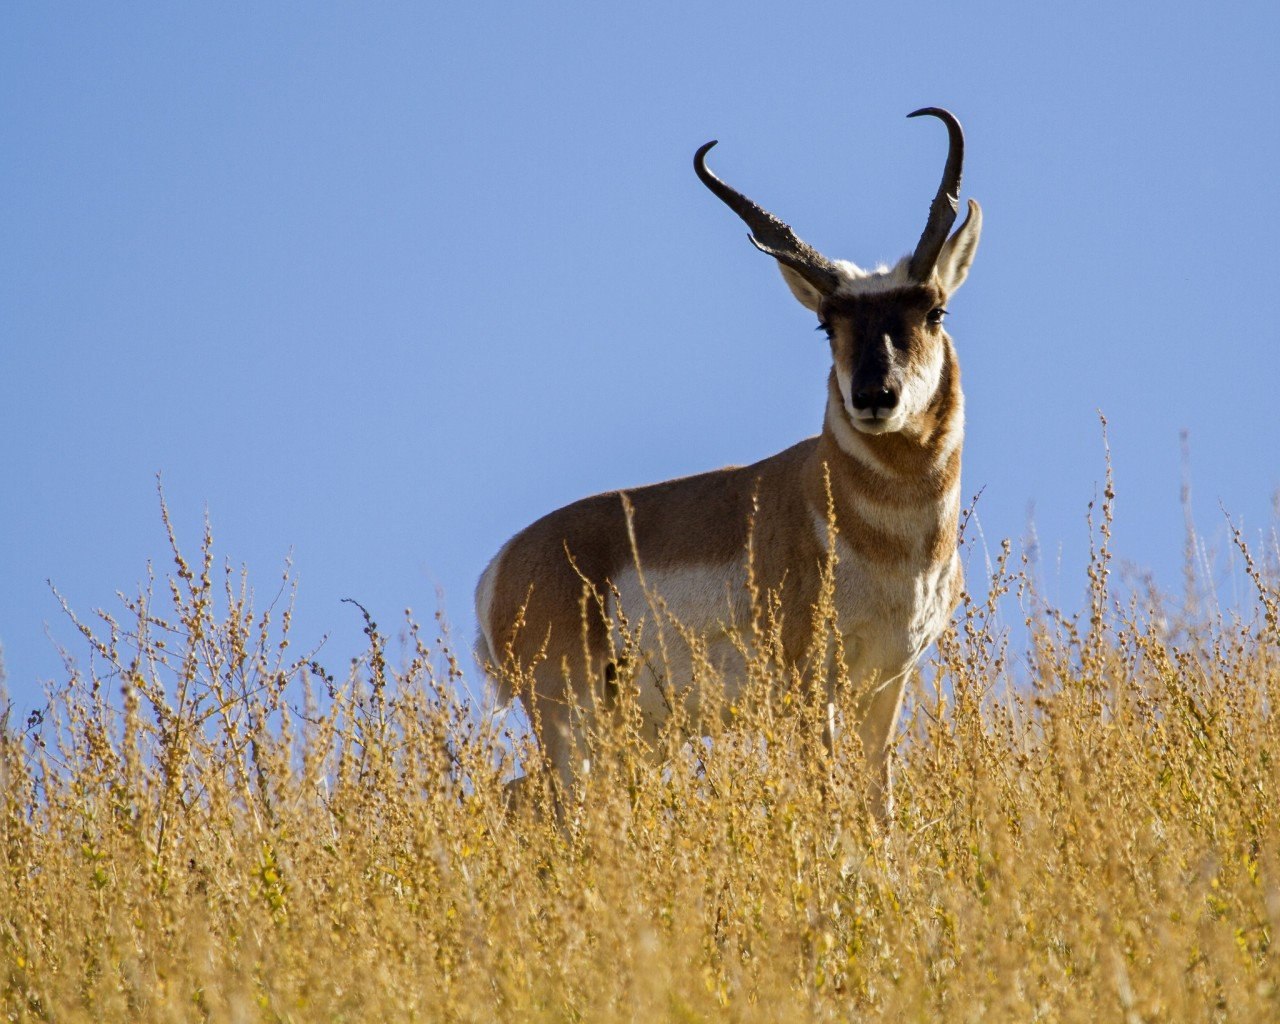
{"points": [[703, 150], [932, 111], [942, 113], [943, 209]]}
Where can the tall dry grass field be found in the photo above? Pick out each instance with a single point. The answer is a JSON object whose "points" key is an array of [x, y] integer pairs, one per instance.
{"points": [[203, 825]]}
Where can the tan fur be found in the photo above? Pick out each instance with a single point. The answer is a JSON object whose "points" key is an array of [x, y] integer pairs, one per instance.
{"points": [[703, 521], [547, 604]]}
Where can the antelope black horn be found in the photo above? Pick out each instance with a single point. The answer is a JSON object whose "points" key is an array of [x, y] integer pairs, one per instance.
{"points": [[942, 211], [768, 234]]}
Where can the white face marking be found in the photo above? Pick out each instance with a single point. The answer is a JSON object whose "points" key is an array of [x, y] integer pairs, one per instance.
{"points": [[920, 383], [855, 281], [871, 421]]}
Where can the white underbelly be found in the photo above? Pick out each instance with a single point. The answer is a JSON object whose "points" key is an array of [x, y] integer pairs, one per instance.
{"points": [[685, 629]]}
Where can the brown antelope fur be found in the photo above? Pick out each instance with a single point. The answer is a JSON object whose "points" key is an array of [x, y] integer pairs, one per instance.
{"points": [[887, 461]]}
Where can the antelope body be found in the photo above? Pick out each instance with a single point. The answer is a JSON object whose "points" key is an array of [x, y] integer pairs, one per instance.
{"points": [[678, 551]]}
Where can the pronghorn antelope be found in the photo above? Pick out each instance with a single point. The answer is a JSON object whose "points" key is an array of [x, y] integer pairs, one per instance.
{"points": [[890, 449]]}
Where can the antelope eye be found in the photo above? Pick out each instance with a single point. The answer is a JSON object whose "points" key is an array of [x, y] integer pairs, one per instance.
{"points": [[935, 316]]}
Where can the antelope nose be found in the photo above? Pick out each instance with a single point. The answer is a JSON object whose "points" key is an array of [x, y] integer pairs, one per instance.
{"points": [[875, 399]]}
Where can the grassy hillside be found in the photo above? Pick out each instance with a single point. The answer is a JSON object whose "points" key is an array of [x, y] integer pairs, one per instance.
{"points": [[204, 826]]}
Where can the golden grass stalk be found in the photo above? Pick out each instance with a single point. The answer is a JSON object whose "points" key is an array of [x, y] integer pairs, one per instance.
{"points": [[203, 826]]}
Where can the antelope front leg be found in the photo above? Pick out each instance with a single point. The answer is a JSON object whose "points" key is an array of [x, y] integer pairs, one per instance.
{"points": [[878, 715], [876, 712]]}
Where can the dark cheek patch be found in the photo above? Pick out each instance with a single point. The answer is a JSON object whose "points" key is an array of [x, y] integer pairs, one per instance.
{"points": [[900, 314]]}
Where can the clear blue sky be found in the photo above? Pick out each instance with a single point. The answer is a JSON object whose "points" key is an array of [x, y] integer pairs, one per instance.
{"points": [[379, 284]]}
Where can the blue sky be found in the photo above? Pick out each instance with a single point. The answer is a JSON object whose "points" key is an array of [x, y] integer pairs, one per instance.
{"points": [[379, 284]]}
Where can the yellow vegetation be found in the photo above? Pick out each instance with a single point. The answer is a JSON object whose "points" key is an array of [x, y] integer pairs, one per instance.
{"points": [[203, 827]]}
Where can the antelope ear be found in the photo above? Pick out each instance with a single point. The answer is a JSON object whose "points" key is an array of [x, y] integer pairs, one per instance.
{"points": [[958, 250], [803, 289]]}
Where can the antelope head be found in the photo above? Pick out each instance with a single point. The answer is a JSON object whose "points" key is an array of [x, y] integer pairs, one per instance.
{"points": [[888, 345]]}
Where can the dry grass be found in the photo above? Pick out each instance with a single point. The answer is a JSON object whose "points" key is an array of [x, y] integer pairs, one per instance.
{"points": [[203, 827]]}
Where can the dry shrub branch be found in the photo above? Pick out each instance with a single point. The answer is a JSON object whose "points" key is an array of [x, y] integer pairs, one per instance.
{"points": [[204, 825]]}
